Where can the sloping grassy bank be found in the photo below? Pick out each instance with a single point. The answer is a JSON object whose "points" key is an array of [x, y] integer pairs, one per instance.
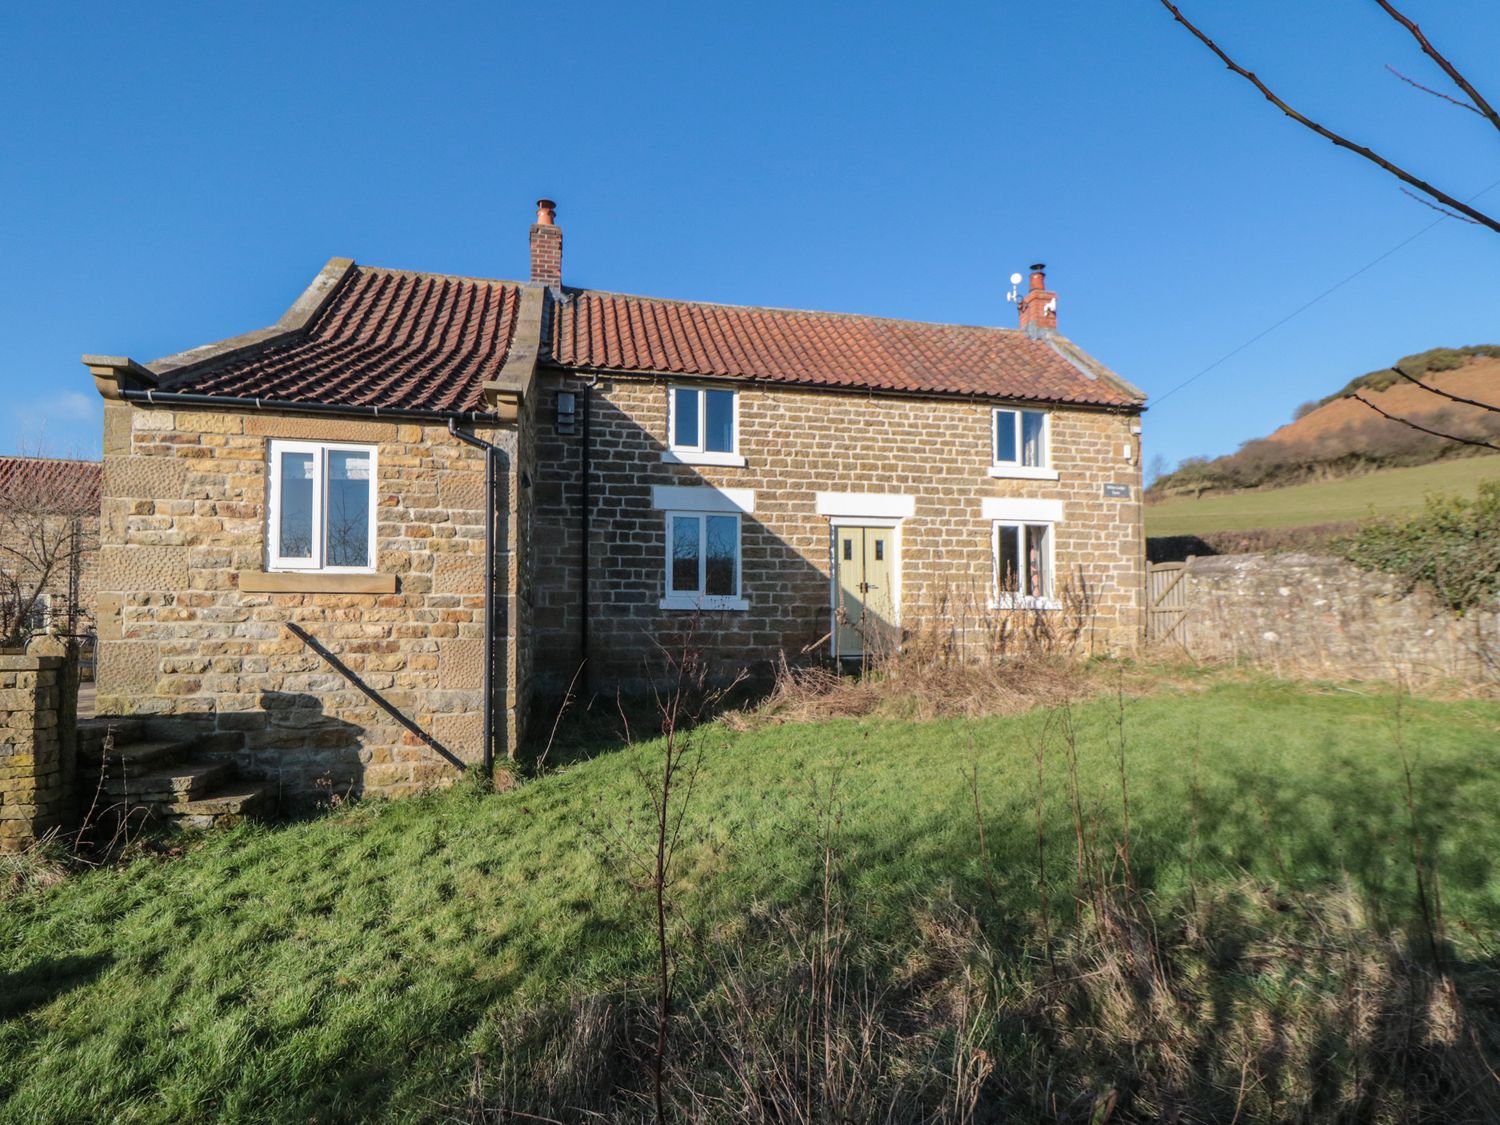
{"points": [[351, 968], [1382, 493]]}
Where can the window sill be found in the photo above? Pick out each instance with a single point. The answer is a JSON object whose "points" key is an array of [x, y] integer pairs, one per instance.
{"points": [[688, 457], [1022, 472], [1024, 603], [705, 604], [314, 582]]}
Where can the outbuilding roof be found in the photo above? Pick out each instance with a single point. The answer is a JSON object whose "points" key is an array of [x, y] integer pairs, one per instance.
{"points": [[50, 484]]}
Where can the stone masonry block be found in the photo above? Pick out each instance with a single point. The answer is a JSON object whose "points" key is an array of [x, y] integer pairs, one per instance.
{"points": [[144, 478], [143, 569], [319, 429], [117, 429], [128, 668], [461, 665], [461, 491], [460, 734], [458, 574], [210, 422]]}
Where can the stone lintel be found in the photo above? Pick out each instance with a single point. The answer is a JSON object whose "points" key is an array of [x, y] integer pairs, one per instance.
{"points": [[298, 582]]}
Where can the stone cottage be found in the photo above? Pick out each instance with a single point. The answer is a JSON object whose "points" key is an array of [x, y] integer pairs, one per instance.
{"points": [[354, 545]]}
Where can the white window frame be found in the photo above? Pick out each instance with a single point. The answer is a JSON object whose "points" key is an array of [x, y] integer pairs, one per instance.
{"points": [[320, 451], [697, 599], [1005, 599], [1014, 469], [679, 454], [40, 616]]}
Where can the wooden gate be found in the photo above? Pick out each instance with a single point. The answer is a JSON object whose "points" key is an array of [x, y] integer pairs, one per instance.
{"points": [[1166, 616]]}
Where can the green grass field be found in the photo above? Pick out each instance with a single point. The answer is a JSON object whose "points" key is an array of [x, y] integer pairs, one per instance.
{"points": [[1388, 492], [351, 967]]}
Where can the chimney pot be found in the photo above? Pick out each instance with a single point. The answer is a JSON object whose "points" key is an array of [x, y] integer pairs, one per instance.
{"points": [[1039, 306], [546, 245]]}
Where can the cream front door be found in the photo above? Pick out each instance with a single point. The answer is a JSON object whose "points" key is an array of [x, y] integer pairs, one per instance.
{"points": [[864, 561]]}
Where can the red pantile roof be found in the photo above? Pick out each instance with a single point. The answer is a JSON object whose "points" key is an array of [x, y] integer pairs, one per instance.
{"points": [[428, 342], [615, 332], [387, 338], [45, 484]]}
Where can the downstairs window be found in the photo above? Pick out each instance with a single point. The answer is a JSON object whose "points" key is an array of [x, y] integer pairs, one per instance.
{"points": [[321, 514], [703, 561], [1023, 565]]}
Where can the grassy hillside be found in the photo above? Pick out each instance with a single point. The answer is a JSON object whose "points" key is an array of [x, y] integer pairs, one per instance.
{"points": [[1384, 492], [366, 965], [1339, 436]]}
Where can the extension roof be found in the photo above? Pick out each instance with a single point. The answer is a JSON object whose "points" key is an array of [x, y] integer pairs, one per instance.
{"points": [[364, 337], [387, 338]]}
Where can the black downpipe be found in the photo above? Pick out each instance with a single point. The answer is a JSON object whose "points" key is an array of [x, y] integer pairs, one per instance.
{"points": [[586, 464], [491, 453]]}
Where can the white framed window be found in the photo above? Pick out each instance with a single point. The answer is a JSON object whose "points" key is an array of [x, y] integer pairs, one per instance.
{"points": [[40, 614], [703, 426], [701, 528], [703, 561], [1022, 441], [1024, 576], [321, 510]]}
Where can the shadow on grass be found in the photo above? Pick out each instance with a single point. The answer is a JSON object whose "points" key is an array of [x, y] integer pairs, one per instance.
{"points": [[603, 723], [43, 981]]}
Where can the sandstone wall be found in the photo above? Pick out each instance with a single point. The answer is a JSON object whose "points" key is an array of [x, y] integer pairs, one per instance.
{"points": [[796, 443], [1308, 615], [183, 526], [38, 701]]}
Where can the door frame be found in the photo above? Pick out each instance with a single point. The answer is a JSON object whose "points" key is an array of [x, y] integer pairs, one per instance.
{"points": [[883, 523]]}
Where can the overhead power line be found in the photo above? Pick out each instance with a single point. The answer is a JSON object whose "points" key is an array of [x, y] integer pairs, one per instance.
{"points": [[1300, 309]]}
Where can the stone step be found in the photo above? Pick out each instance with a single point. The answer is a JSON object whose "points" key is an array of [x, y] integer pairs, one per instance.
{"points": [[139, 757], [91, 733], [240, 800], [169, 784]]}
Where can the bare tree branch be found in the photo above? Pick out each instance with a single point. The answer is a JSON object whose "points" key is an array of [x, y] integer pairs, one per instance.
{"points": [[1480, 105], [1440, 210], [1449, 395], [40, 547], [1429, 90], [1357, 397], [1341, 141]]}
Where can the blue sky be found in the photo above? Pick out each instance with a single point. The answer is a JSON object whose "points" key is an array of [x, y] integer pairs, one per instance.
{"points": [[173, 174]]}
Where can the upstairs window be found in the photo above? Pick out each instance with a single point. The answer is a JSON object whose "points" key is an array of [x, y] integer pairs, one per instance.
{"points": [[1023, 565], [322, 507], [1021, 439], [704, 426]]}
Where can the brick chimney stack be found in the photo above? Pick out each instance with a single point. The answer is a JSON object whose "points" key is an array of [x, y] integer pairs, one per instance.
{"points": [[546, 245], [1039, 306]]}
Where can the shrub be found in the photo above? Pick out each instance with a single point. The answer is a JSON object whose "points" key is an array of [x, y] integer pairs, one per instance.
{"points": [[1417, 366], [1305, 409], [1452, 547]]}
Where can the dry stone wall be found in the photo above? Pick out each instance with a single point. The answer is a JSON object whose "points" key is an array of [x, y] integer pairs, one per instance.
{"points": [[1310, 615], [38, 701], [797, 443], [185, 646]]}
